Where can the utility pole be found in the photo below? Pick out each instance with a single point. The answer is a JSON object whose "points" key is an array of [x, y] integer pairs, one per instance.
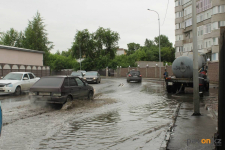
{"points": [[159, 44], [195, 62], [80, 57], [221, 96]]}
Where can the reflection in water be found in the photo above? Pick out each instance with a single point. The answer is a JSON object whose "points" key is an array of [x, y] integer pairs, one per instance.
{"points": [[84, 133]]}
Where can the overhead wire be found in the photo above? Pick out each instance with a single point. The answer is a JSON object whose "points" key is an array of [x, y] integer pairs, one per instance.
{"points": [[166, 12]]}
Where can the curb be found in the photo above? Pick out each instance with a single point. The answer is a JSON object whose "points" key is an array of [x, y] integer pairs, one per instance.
{"points": [[170, 129]]}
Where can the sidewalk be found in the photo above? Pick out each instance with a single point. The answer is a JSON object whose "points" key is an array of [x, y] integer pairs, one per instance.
{"points": [[190, 130]]}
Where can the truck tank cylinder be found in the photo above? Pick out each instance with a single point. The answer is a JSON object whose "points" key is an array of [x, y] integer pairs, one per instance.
{"points": [[183, 66]]}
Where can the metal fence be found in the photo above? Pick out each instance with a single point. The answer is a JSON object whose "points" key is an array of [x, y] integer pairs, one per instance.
{"points": [[39, 71]]}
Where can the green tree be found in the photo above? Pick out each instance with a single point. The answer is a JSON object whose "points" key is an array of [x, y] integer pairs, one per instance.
{"points": [[36, 37], [99, 47], [12, 38], [149, 43], [58, 62], [106, 40], [132, 47], [164, 41], [84, 44]]}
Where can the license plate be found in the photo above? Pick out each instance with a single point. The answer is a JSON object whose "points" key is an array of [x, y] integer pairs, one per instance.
{"points": [[89, 80], [134, 76], [170, 83], [45, 94]]}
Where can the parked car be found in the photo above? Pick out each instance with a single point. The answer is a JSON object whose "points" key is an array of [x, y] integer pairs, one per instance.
{"points": [[77, 74], [60, 89], [83, 71], [92, 77], [134, 76], [17, 82]]}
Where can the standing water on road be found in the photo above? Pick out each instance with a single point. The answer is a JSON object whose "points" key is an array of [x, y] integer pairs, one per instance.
{"points": [[136, 119]]}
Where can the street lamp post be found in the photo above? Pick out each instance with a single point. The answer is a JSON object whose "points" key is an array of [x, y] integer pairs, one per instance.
{"points": [[159, 44]]}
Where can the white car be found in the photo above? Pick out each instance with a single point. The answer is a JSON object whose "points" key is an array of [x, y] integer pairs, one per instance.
{"points": [[17, 82]]}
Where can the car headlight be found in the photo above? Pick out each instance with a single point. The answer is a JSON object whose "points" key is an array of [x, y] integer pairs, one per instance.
{"points": [[56, 94], [94, 78], [84, 78], [9, 85]]}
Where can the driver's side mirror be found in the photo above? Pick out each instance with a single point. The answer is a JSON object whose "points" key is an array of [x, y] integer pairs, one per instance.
{"points": [[25, 78]]}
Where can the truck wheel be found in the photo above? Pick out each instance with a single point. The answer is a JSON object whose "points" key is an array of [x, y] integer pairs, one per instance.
{"points": [[201, 94], [207, 87], [183, 88], [168, 88], [174, 89]]}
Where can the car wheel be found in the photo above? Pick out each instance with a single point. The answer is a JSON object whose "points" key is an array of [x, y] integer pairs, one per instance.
{"points": [[90, 95], [128, 81], [99, 81], [17, 91], [68, 99]]}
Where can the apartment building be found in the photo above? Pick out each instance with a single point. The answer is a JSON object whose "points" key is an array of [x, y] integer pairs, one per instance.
{"points": [[210, 17]]}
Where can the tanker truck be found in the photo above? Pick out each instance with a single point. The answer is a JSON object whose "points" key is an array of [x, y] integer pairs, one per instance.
{"points": [[182, 68]]}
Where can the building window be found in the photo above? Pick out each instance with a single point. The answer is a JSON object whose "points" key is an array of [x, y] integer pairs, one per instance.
{"points": [[188, 22], [218, 9], [214, 25], [207, 28], [214, 56], [179, 14], [203, 5], [179, 2], [187, 10], [215, 41]]}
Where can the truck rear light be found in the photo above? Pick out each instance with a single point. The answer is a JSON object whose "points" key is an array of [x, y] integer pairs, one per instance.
{"points": [[140, 75], [200, 84], [129, 75], [168, 78]]}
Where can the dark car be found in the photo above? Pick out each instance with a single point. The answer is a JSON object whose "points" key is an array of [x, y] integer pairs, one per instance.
{"points": [[77, 74], [134, 76], [60, 89], [92, 77]]}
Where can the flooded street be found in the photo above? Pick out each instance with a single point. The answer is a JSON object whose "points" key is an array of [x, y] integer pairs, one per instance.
{"points": [[122, 116]]}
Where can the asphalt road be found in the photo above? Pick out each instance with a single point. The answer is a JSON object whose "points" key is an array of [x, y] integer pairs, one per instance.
{"points": [[122, 116]]}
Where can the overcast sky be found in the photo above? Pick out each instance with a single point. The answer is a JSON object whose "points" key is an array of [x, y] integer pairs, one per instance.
{"points": [[63, 18]]}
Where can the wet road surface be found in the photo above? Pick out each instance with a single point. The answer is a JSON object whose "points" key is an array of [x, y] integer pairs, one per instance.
{"points": [[122, 116]]}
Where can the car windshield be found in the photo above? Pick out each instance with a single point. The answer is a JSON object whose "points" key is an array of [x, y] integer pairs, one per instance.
{"points": [[13, 76], [76, 73], [135, 72], [49, 82], [83, 71], [91, 74]]}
